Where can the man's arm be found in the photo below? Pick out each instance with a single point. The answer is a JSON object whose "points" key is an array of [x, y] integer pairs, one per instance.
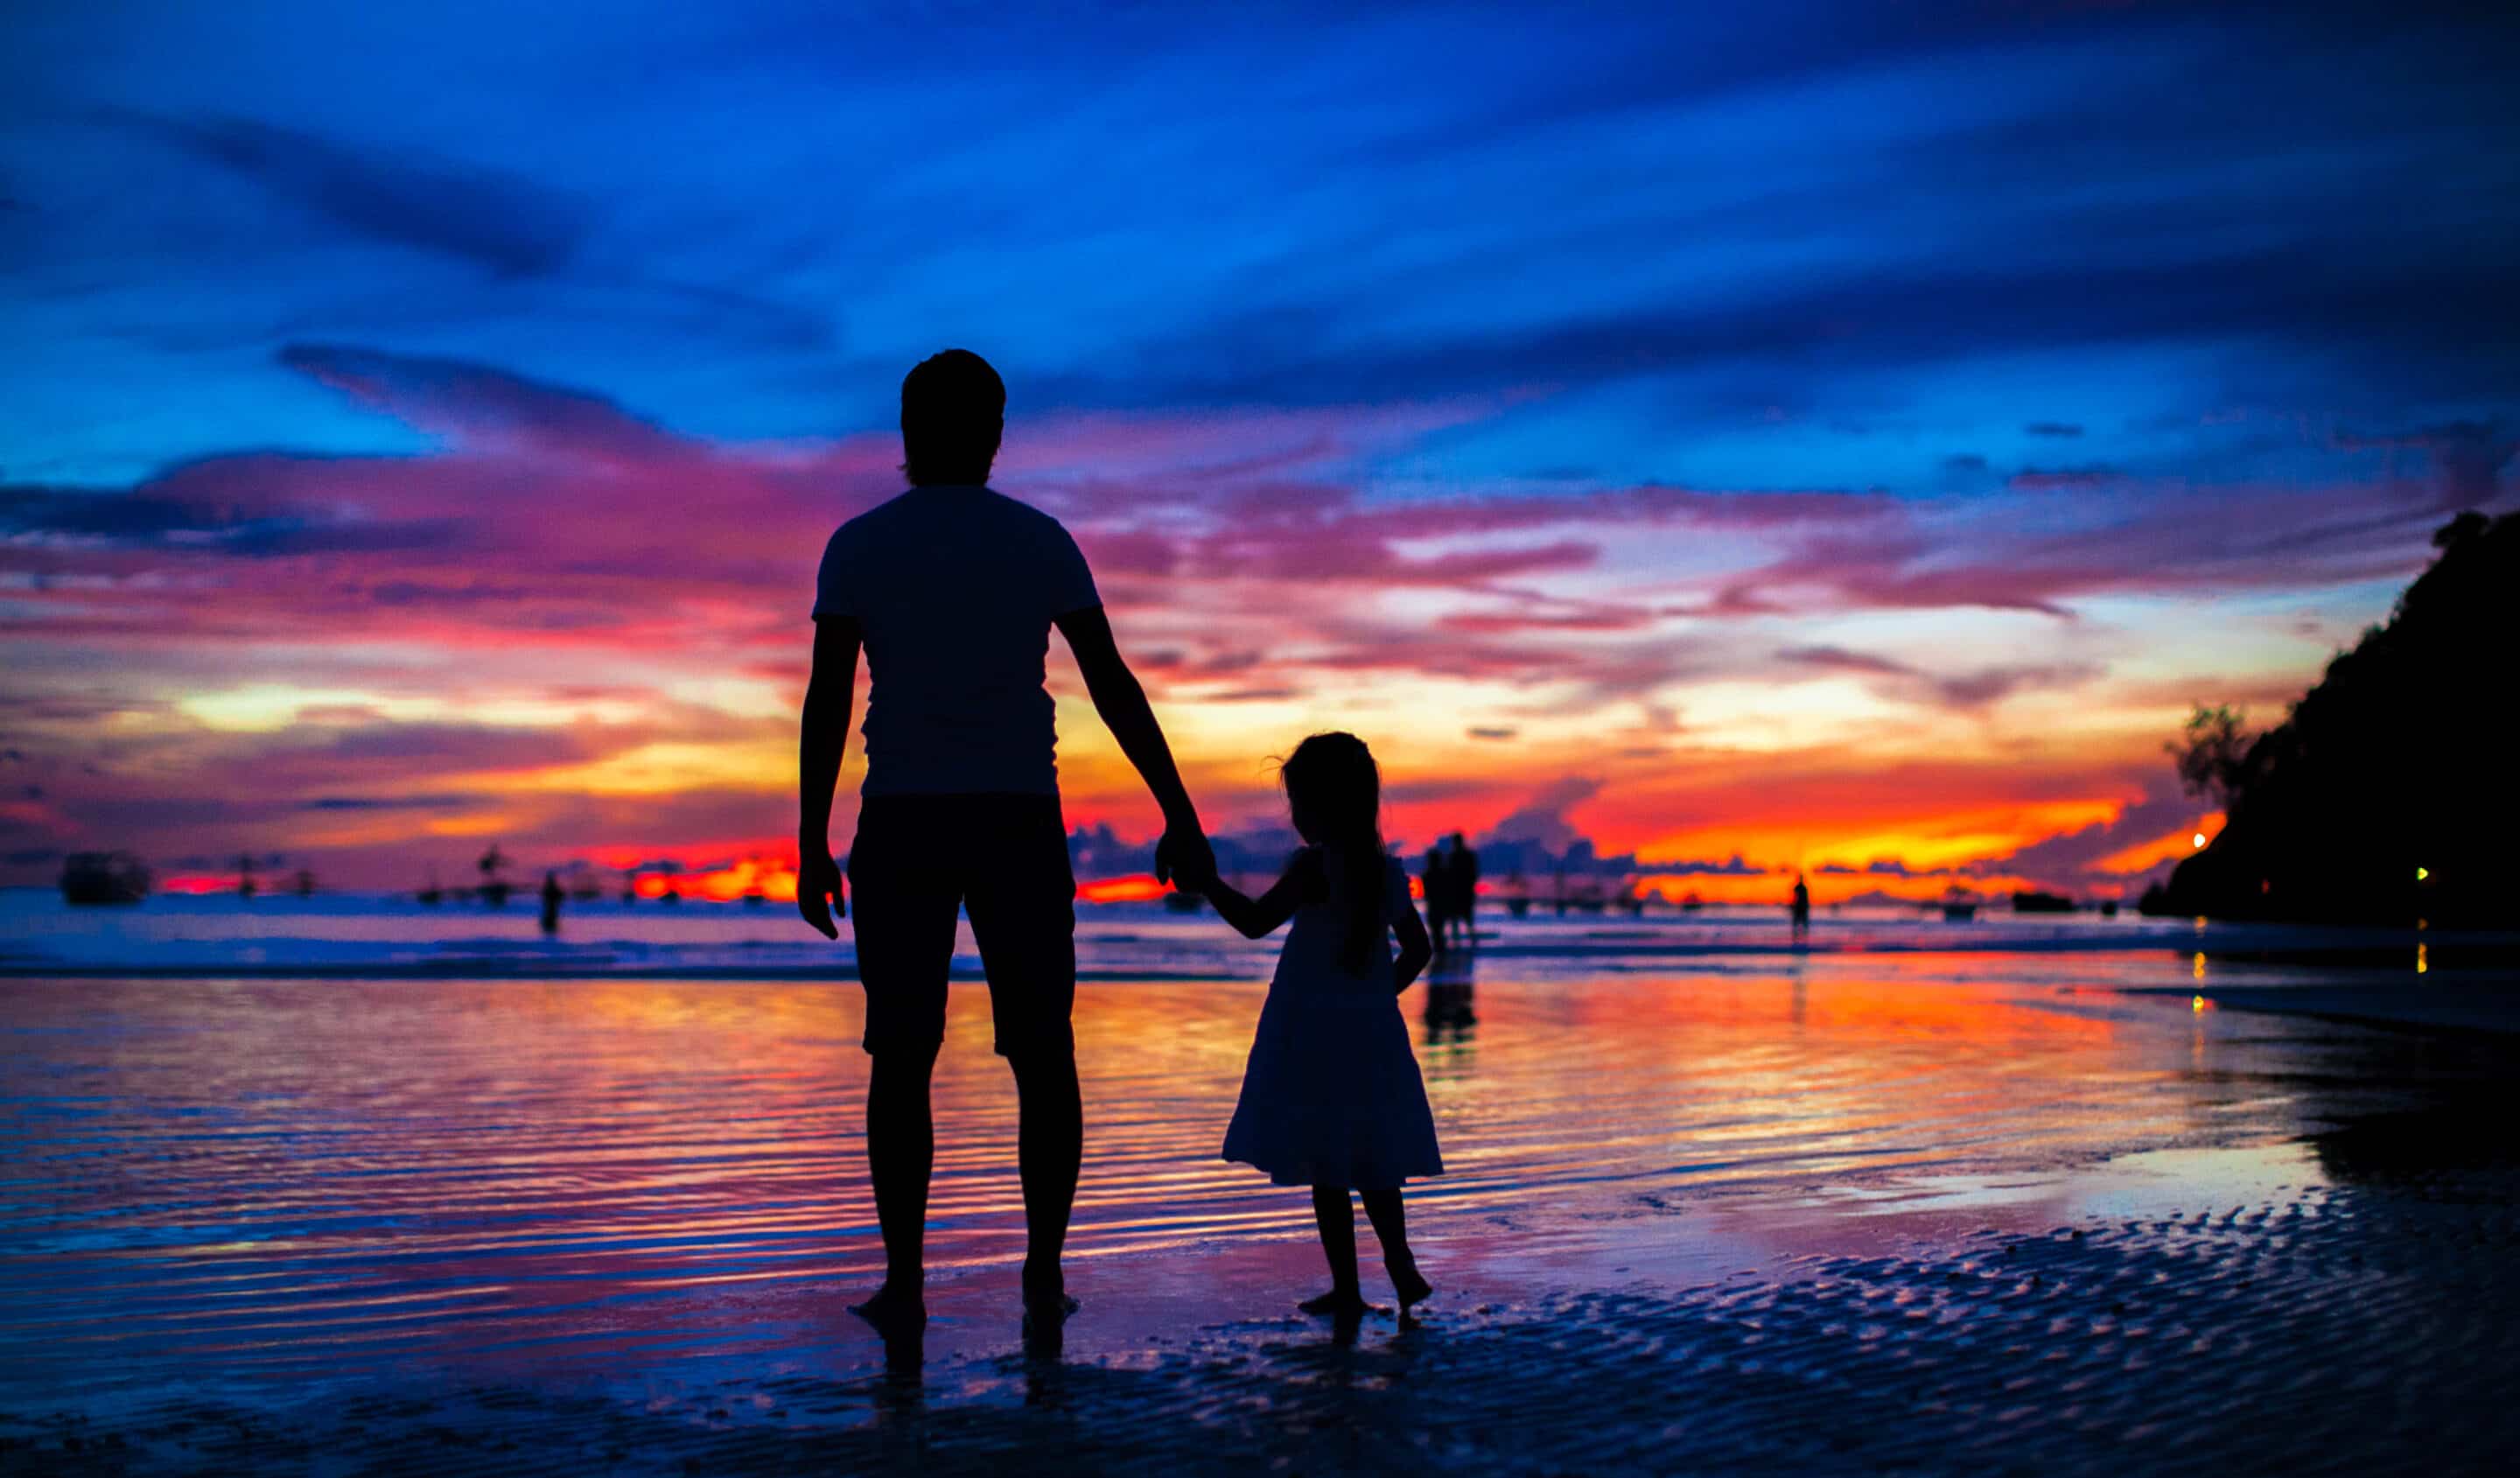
{"points": [[1122, 703], [829, 693]]}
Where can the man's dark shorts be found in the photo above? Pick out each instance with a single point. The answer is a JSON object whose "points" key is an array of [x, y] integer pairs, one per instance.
{"points": [[919, 858]]}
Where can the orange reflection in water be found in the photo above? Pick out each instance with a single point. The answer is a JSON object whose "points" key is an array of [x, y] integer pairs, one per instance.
{"points": [[751, 878], [1129, 888]]}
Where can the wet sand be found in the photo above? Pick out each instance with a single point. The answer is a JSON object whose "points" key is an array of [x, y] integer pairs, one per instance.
{"points": [[1862, 1214]]}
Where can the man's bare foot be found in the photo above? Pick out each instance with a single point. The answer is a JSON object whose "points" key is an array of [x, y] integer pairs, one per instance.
{"points": [[1046, 1294], [1338, 1303], [1410, 1285], [1050, 1303], [893, 1308]]}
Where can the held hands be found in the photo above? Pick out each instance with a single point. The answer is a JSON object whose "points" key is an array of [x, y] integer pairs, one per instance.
{"points": [[821, 894], [1184, 858]]}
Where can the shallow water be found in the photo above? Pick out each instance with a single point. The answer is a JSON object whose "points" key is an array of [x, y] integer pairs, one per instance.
{"points": [[211, 1182], [345, 934]]}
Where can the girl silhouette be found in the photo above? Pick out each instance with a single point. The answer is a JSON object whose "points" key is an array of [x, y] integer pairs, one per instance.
{"points": [[1331, 1097]]}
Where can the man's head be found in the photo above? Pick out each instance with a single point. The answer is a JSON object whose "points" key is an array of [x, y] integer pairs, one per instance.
{"points": [[953, 411]]}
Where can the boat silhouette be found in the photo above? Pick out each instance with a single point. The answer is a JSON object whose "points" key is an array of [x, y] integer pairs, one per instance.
{"points": [[104, 878], [494, 888]]}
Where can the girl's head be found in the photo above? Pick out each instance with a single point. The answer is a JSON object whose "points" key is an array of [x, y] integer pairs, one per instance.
{"points": [[1334, 790]]}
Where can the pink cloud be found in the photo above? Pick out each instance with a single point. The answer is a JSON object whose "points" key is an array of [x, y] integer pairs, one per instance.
{"points": [[1243, 558]]}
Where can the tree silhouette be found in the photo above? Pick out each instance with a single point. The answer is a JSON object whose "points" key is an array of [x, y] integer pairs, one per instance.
{"points": [[2388, 794], [2213, 754]]}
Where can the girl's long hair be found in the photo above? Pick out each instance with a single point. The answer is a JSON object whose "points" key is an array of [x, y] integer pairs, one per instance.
{"points": [[1334, 777]]}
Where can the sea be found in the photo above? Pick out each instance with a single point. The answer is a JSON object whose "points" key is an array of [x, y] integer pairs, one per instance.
{"points": [[262, 1146], [376, 935]]}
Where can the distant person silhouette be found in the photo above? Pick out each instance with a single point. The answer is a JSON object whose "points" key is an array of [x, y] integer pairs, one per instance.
{"points": [[1800, 909], [952, 589], [1331, 1095], [1435, 881], [551, 903], [1463, 874]]}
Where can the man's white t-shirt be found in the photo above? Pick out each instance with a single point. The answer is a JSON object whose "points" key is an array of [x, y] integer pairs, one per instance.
{"points": [[955, 590]]}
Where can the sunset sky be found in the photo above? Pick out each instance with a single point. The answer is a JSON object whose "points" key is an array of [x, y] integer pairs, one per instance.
{"points": [[1846, 436]]}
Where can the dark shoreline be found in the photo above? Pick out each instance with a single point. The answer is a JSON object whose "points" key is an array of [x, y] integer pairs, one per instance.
{"points": [[2368, 1325]]}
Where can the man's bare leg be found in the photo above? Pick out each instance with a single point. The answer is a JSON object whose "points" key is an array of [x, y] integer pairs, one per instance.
{"points": [[1050, 1148], [901, 1153]]}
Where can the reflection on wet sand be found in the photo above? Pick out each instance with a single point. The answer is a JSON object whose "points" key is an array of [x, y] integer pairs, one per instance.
{"points": [[298, 1179], [1451, 1004]]}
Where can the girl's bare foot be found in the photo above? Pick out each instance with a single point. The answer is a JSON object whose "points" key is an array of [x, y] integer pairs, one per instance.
{"points": [[1410, 1285], [1338, 1303], [893, 1308]]}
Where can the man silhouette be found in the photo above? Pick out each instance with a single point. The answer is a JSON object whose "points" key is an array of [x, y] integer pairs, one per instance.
{"points": [[1463, 877], [953, 590]]}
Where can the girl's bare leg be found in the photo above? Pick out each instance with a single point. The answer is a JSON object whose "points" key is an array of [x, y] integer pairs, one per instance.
{"points": [[1392, 1228], [1337, 1220]]}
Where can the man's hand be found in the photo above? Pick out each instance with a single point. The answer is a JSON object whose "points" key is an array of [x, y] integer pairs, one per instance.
{"points": [[1183, 857], [821, 893]]}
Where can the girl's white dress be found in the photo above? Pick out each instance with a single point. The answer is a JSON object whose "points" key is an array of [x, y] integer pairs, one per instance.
{"points": [[1331, 1095]]}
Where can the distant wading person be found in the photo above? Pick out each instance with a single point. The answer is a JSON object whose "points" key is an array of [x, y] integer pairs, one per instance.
{"points": [[1435, 881], [1462, 878], [953, 590]]}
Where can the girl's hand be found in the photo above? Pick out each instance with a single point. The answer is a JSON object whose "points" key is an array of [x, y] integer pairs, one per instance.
{"points": [[1183, 856], [1194, 873]]}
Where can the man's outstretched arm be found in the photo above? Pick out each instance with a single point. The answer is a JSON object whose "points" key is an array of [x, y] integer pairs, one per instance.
{"points": [[829, 693], [1122, 703]]}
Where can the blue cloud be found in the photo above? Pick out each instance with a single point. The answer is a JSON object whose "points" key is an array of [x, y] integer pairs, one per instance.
{"points": [[1825, 244], [482, 216]]}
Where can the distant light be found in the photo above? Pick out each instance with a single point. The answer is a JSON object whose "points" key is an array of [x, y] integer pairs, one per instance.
{"points": [[2422, 872], [2197, 1003], [2421, 964], [2200, 841], [2200, 968]]}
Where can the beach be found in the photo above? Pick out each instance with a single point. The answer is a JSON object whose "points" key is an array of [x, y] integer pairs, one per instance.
{"points": [[1984, 1209]]}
